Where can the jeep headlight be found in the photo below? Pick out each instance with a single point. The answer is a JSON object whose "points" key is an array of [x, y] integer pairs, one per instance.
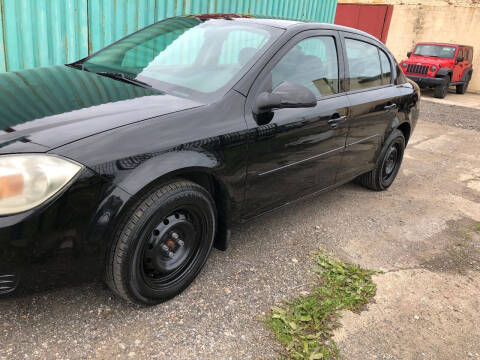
{"points": [[27, 181], [433, 68]]}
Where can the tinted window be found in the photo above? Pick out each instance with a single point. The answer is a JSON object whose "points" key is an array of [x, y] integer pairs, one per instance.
{"points": [[401, 79], [240, 46], [363, 64], [386, 68], [470, 54], [187, 56], [312, 63]]}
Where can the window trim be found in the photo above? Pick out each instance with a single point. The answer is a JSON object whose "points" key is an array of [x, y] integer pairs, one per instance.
{"points": [[379, 46]]}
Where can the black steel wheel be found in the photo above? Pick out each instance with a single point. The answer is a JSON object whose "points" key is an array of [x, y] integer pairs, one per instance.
{"points": [[388, 164], [163, 244]]}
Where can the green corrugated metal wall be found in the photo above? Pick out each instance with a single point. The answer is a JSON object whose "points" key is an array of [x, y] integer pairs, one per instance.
{"points": [[44, 32]]}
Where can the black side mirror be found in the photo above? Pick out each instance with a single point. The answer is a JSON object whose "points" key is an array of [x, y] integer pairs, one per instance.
{"points": [[460, 59], [409, 54], [285, 95]]}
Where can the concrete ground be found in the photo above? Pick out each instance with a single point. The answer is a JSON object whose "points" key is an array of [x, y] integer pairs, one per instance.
{"points": [[421, 233], [471, 100]]}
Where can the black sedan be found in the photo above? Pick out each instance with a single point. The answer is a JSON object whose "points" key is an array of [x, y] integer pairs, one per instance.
{"points": [[135, 161]]}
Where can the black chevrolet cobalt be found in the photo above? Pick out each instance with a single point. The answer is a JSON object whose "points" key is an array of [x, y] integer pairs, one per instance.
{"points": [[136, 161]]}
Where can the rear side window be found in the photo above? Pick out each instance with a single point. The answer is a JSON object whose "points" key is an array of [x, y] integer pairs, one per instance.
{"points": [[386, 68], [364, 66]]}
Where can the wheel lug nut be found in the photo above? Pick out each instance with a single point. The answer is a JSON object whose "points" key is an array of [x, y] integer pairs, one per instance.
{"points": [[171, 255], [175, 236], [180, 242], [165, 248]]}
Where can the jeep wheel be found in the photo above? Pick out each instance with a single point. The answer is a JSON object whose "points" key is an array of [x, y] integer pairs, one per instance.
{"points": [[462, 89], [163, 243], [440, 91]]}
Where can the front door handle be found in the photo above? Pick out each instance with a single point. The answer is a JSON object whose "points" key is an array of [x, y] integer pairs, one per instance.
{"points": [[390, 107], [336, 119]]}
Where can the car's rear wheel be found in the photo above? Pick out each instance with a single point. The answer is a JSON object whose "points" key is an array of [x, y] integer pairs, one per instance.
{"points": [[462, 89], [163, 243], [388, 164], [440, 91]]}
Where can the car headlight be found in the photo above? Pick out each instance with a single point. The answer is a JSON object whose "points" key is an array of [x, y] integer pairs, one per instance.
{"points": [[404, 65], [433, 68], [26, 181]]}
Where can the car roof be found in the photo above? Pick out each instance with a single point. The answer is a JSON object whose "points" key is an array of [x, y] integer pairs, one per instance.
{"points": [[442, 44], [285, 23]]}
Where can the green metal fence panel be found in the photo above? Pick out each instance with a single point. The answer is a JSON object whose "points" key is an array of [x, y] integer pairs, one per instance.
{"points": [[2, 45], [110, 20], [44, 32]]}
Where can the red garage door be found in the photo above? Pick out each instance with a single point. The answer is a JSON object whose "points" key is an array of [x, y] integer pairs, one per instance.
{"points": [[374, 19]]}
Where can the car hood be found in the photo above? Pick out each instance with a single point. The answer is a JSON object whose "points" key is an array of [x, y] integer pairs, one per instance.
{"points": [[426, 60], [56, 105]]}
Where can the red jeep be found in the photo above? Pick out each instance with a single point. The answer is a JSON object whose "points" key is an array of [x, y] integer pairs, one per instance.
{"points": [[439, 66]]}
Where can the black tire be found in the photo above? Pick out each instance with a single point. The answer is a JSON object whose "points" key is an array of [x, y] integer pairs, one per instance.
{"points": [[386, 171], [462, 89], [440, 91], [162, 244]]}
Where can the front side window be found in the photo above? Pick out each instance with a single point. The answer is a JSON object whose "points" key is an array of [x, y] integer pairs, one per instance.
{"points": [[187, 56], [312, 63], [439, 51], [364, 66]]}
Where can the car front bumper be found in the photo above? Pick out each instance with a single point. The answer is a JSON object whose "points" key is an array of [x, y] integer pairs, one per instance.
{"points": [[62, 241], [424, 81]]}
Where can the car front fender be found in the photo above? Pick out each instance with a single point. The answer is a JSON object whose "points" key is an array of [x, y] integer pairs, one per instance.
{"points": [[444, 72]]}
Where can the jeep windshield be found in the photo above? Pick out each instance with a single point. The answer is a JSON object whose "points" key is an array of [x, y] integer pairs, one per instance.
{"points": [[187, 56], [439, 51]]}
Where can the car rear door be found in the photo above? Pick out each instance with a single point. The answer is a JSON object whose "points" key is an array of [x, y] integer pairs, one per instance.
{"points": [[373, 100], [295, 152], [460, 66]]}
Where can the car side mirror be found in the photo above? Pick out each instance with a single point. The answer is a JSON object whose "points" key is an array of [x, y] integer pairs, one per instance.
{"points": [[460, 59], [285, 95], [409, 54]]}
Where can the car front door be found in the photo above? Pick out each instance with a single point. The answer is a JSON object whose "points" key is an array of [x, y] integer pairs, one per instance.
{"points": [[373, 100], [294, 152]]}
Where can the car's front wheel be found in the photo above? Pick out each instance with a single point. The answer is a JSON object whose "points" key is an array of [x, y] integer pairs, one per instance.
{"points": [[388, 164], [162, 244]]}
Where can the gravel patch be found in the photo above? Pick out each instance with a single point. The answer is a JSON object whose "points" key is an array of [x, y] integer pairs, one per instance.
{"points": [[458, 116]]}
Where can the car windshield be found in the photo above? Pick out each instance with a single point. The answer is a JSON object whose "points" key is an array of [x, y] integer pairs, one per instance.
{"points": [[439, 51], [188, 57]]}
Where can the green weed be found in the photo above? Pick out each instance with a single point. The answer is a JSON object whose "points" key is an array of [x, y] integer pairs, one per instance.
{"points": [[305, 324]]}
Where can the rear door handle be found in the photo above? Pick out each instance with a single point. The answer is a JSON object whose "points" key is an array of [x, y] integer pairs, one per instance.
{"points": [[390, 107], [336, 119]]}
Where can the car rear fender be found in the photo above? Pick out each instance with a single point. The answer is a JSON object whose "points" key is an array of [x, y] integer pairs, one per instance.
{"points": [[467, 72]]}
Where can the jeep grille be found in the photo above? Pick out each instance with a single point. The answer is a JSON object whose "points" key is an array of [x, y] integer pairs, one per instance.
{"points": [[417, 69]]}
